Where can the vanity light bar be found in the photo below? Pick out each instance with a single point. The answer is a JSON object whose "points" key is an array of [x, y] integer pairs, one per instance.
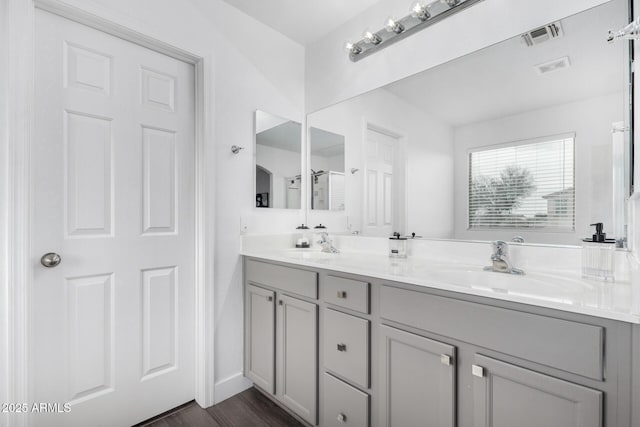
{"points": [[422, 15]]}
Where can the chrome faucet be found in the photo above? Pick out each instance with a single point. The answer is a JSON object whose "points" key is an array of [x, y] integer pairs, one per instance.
{"points": [[327, 244], [500, 259]]}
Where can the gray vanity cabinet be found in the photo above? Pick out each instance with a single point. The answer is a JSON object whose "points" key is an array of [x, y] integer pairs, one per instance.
{"points": [[506, 395], [396, 355], [297, 356], [418, 380], [260, 339], [281, 335]]}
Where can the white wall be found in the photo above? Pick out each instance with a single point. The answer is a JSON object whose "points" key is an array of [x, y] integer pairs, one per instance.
{"points": [[332, 77], [331, 163], [591, 122], [254, 68], [429, 165]]}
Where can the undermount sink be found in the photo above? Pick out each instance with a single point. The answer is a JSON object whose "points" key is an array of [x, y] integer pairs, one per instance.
{"points": [[310, 254], [530, 283]]}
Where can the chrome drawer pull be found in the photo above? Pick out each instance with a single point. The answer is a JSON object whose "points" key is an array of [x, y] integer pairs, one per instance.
{"points": [[342, 294], [445, 359], [342, 418], [342, 347], [477, 371]]}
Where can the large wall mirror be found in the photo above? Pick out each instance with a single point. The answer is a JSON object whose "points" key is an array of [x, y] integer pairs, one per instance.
{"points": [[529, 137], [278, 150]]}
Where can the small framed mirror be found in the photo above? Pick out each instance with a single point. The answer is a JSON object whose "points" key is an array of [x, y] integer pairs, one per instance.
{"points": [[278, 171], [327, 180]]}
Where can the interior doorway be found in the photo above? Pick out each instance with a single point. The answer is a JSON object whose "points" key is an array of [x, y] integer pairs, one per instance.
{"points": [[384, 208], [113, 227]]}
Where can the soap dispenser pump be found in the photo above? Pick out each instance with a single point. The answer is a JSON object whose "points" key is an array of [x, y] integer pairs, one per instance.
{"points": [[598, 255]]}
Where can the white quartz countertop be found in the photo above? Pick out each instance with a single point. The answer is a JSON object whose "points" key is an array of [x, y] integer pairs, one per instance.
{"points": [[562, 290]]}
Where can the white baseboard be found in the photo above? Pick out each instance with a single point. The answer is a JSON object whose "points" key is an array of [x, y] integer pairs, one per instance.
{"points": [[231, 386]]}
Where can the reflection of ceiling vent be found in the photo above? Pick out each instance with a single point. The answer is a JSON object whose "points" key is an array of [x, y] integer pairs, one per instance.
{"points": [[542, 34], [555, 65]]}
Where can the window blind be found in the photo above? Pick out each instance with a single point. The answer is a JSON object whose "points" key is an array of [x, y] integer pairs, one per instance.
{"points": [[523, 185]]}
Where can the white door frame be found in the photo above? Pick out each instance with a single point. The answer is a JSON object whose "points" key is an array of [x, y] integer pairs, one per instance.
{"points": [[16, 197]]}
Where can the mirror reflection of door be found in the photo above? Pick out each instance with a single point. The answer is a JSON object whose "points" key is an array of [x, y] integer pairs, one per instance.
{"points": [[327, 170], [383, 198], [278, 162]]}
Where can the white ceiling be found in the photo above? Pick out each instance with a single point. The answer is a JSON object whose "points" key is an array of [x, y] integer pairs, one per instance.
{"points": [[285, 136], [326, 144], [303, 21], [501, 80]]}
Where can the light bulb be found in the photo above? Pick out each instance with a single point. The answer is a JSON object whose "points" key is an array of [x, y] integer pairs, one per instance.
{"points": [[419, 11], [352, 48], [371, 37], [393, 26]]}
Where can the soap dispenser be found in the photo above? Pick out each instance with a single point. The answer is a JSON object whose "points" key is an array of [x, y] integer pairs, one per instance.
{"points": [[303, 241], [397, 246], [598, 255]]}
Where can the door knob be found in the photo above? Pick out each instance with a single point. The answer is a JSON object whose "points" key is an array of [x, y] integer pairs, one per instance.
{"points": [[50, 259]]}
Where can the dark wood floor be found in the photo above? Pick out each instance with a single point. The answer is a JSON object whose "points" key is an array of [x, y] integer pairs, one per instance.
{"points": [[247, 409]]}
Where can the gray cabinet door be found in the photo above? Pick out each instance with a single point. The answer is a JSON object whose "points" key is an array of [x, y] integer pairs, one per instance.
{"points": [[506, 395], [418, 380], [297, 356], [260, 337]]}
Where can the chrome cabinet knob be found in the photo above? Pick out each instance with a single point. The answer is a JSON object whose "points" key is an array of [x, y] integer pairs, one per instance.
{"points": [[342, 418], [50, 259]]}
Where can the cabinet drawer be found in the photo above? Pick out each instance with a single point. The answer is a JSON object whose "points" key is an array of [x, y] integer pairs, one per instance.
{"points": [[347, 293], [294, 280], [343, 404], [346, 346], [569, 346]]}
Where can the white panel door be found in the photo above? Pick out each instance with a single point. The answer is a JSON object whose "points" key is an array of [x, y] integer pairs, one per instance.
{"points": [[380, 199], [113, 179]]}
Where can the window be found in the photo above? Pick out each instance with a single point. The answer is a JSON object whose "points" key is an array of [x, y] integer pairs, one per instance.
{"points": [[523, 185]]}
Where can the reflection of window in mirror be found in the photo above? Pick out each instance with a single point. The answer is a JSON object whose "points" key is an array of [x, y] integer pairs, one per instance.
{"points": [[523, 185], [327, 180], [278, 158]]}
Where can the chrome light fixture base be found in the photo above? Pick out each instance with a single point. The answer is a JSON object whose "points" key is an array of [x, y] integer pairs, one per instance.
{"points": [[407, 26]]}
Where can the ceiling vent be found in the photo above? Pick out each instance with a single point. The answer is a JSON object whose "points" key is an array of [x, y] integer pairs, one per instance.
{"points": [[555, 65], [543, 34]]}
